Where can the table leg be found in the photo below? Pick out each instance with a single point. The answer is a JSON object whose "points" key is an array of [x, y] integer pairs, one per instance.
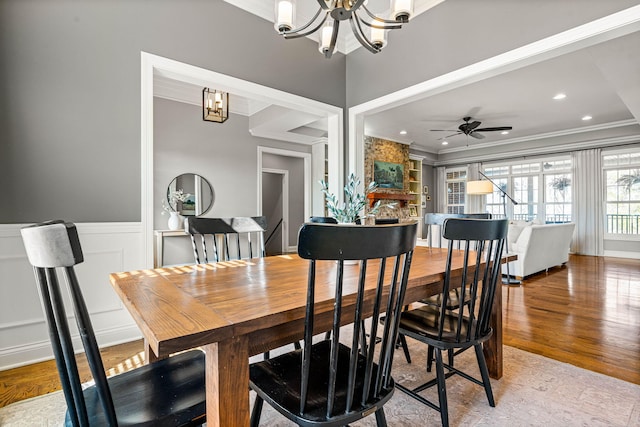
{"points": [[149, 355], [227, 382], [493, 346]]}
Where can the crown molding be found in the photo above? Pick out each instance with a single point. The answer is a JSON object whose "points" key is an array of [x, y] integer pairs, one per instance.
{"points": [[564, 148], [546, 135]]}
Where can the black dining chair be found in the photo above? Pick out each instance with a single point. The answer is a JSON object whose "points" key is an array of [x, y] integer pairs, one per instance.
{"points": [[323, 220], [434, 222], [468, 326], [382, 221], [378, 221], [227, 238], [329, 383], [169, 392]]}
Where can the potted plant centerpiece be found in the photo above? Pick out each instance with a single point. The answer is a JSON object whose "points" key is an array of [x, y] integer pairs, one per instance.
{"points": [[349, 211]]}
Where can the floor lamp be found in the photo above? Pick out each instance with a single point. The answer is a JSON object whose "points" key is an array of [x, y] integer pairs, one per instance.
{"points": [[486, 187]]}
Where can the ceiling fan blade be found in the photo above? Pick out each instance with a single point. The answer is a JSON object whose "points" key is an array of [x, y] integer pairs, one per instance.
{"points": [[476, 135], [493, 129], [449, 136]]}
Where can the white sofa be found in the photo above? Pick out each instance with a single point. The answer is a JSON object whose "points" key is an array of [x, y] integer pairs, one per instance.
{"points": [[538, 246]]}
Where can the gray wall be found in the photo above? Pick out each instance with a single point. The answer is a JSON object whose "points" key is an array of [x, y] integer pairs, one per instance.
{"points": [[70, 84], [224, 154], [448, 37]]}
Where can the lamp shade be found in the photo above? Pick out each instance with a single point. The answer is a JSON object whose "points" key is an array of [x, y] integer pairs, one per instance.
{"points": [[479, 187]]}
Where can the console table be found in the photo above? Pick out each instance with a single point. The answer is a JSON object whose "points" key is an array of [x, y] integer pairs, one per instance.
{"points": [[158, 253]]}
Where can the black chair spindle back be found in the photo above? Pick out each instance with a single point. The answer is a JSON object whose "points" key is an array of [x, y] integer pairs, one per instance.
{"points": [[336, 384], [229, 238], [177, 399]]}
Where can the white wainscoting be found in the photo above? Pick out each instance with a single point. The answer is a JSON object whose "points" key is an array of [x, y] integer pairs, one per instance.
{"points": [[107, 247]]}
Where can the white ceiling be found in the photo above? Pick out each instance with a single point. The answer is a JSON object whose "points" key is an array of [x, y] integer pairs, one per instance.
{"points": [[602, 81], [524, 100]]}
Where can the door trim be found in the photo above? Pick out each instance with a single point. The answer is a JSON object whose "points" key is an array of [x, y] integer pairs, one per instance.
{"points": [[285, 203]]}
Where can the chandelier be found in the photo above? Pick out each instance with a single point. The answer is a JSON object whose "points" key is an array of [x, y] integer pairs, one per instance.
{"points": [[215, 105], [332, 12]]}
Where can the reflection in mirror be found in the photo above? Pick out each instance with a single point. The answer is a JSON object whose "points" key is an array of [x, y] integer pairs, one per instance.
{"points": [[200, 192]]}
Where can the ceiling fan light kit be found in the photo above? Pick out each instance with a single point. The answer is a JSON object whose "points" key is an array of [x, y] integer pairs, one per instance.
{"points": [[329, 15]]}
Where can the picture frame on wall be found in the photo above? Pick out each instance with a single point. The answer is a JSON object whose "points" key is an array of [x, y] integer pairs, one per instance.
{"points": [[388, 175]]}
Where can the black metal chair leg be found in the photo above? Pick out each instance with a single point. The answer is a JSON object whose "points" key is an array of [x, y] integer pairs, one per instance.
{"points": [[482, 363], [256, 412], [381, 420], [296, 345], [442, 389], [429, 358], [405, 347]]}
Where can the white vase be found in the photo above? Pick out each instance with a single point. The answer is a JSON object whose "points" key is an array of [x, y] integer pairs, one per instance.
{"points": [[175, 221]]}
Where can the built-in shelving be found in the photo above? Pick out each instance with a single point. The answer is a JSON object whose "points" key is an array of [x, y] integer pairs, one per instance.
{"points": [[415, 190]]}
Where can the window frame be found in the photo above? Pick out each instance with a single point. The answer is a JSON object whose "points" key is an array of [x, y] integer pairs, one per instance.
{"points": [[606, 168], [463, 182], [540, 206]]}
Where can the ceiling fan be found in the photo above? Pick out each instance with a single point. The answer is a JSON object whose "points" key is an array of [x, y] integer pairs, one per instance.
{"points": [[471, 129]]}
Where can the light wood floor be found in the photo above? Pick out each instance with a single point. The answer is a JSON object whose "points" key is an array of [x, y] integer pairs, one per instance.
{"points": [[586, 313]]}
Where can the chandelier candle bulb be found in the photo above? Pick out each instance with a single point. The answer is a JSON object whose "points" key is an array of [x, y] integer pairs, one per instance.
{"points": [[402, 10], [284, 15], [378, 37], [325, 37]]}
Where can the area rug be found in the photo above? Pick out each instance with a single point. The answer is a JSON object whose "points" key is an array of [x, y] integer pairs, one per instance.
{"points": [[535, 391]]}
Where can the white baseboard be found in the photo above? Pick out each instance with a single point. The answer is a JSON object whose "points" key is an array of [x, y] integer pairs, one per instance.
{"points": [[40, 351], [107, 248], [622, 254]]}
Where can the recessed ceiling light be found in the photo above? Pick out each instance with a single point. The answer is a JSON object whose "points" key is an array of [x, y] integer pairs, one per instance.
{"points": [[560, 96], [445, 143], [585, 118], [505, 132], [403, 132]]}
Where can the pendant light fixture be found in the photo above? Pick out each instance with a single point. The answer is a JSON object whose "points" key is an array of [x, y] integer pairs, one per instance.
{"points": [[215, 105], [329, 15]]}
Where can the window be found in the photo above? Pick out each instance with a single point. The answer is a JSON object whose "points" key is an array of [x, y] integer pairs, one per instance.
{"points": [[622, 193], [456, 190], [522, 181]]}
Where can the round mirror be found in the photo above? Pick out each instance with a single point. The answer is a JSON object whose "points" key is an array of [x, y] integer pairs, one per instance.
{"points": [[190, 194]]}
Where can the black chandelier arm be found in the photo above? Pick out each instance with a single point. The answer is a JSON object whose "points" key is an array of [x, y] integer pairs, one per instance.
{"points": [[387, 23], [294, 34], [334, 39], [357, 31]]}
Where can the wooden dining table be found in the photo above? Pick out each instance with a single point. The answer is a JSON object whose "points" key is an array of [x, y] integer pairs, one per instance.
{"points": [[233, 310]]}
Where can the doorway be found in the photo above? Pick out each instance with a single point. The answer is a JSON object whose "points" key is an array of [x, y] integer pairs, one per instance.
{"points": [[275, 207]]}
